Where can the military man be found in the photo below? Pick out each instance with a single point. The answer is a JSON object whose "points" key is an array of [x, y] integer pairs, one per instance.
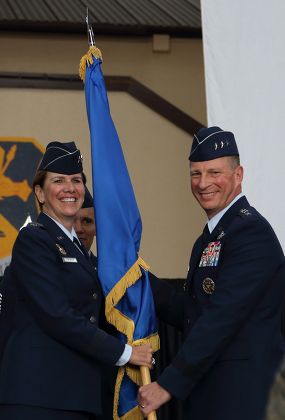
{"points": [[230, 311], [85, 224]]}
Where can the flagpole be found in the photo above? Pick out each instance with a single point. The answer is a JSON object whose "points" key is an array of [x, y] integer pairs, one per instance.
{"points": [[145, 372], [145, 381]]}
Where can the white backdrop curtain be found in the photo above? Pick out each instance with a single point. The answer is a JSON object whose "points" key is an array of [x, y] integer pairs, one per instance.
{"points": [[245, 84]]}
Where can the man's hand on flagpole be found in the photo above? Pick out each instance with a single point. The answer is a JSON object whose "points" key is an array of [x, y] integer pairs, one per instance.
{"points": [[151, 397], [142, 355]]}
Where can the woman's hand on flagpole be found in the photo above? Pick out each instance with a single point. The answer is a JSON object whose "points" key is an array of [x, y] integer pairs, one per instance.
{"points": [[142, 356]]}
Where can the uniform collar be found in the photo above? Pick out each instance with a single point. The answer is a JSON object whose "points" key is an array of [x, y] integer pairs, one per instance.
{"points": [[212, 223], [69, 234]]}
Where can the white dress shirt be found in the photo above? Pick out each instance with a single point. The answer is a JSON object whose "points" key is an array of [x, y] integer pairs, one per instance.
{"points": [[212, 223]]}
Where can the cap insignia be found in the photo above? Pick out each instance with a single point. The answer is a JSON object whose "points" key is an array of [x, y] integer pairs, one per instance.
{"points": [[221, 144]]}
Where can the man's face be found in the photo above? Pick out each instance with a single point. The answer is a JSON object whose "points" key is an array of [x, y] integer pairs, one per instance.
{"points": [[215, 183], [84, 226]]}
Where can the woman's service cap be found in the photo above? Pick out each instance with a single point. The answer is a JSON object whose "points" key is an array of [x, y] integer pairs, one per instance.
{"points": [[62, 158]]}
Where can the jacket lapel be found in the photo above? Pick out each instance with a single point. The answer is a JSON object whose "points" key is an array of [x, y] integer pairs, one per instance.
{"points": [[218, 233], [195, 257], [64, 244], [221, 229]]}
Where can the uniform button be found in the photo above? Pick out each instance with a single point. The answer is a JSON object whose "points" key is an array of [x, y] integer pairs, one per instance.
{"points": [[194, 297], [188, 321], [94, 296], [92, 319]]}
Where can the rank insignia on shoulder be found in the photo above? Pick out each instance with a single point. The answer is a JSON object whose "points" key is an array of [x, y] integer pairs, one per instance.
{"points": [[246, 212], [35, 224], [61, 249], [211, 254], [208, 285]]}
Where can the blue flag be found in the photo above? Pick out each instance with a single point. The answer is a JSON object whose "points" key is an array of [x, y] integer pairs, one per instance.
{"points": [[123, 274]]}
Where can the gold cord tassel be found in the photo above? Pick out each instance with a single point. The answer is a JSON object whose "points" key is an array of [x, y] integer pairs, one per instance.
{"points": [[87, 59]]}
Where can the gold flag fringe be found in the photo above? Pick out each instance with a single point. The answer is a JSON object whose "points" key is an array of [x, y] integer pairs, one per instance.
{"points": [[122, 323], [87, 59], [120, 375], [132, 371], [134, 374], [113, 315], [153, 340], [134, 414], [126, 326]]}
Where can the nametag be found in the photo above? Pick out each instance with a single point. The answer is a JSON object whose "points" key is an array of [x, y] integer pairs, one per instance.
{"points": [[69, 260], [211, 254]]}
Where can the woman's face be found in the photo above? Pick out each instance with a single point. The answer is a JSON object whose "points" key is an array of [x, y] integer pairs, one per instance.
{"points": [[62, 196]]}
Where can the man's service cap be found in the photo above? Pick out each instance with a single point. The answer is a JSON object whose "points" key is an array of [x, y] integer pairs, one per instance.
{"points": [[212, 143], [62, 158]]}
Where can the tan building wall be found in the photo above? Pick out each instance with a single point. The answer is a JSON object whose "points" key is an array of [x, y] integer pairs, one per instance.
{"points": [[177, 75], [156, 150]]}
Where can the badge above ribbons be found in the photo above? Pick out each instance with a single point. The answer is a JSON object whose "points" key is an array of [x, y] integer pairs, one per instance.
{"points": [[16, 198]]}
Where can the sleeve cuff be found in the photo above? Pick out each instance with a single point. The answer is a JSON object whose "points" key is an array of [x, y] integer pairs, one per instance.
{"points": [[175, 382], [125, 357]]}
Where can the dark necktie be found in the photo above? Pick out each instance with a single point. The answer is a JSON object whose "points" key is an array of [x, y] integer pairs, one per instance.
{"points": [[81, 247], [206, 235]]}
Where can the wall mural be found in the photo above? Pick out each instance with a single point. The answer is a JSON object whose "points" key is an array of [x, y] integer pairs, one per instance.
{"points": [[19, 158]]}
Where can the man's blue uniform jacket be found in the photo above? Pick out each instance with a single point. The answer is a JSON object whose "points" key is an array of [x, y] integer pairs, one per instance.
{"points": [[53, 355], [231, 317]]}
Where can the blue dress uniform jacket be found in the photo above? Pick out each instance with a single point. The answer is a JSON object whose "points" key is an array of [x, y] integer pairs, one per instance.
{"points": [[109, 373], [53, 355], [230, 313]]}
